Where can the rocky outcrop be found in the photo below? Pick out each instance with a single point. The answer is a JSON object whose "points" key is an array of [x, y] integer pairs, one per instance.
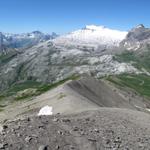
{"points": [[136, 38]]}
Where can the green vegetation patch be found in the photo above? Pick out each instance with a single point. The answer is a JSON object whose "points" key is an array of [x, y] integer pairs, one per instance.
{"points": [[23, 85], [2, 97], [138, 60], [7, 57], [61, 96], [1, 109], [28, 89], [48, 87], [140, 83]]}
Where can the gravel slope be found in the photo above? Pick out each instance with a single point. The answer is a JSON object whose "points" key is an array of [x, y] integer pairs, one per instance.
{"points": [[105, 129], [76, 96]]}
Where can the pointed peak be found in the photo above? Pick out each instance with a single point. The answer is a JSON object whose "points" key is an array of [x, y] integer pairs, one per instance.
{"points": [[140, 26]]}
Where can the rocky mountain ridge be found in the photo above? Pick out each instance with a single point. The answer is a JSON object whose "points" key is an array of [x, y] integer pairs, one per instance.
{"points": [[53, 60], [137, 38]]}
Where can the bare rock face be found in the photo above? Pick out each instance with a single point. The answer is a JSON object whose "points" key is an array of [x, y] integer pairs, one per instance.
{"points": [[136, 38], [48, 63], [51, 61]]}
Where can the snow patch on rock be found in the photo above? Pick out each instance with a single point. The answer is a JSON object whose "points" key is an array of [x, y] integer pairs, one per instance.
{"points": [[46, 110]]}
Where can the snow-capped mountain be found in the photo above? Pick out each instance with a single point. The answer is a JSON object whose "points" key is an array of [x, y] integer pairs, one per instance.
{"points": [[79, 52], [93, 35], [24, 40]]}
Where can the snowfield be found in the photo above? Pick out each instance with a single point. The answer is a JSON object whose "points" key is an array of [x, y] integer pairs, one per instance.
{"points": [[92, 34]]}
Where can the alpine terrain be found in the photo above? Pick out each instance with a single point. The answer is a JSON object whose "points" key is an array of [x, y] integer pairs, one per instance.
{"points": [[85, 90]]}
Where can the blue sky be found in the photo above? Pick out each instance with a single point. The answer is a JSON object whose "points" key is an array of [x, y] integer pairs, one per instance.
{"points": [[63, 16]]}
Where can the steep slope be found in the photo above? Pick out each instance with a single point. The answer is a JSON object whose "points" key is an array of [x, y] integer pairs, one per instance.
{"points": [[77, 96], [48, 63], [136, 38], [99, 93], [135, 49], [90, 50], [93, 36]]}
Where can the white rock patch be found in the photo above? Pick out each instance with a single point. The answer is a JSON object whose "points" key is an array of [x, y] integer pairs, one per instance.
{"points": [[46, 110]]}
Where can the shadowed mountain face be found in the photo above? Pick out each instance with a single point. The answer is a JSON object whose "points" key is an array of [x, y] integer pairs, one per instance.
{"points": [[99, 93], [139, 33], [136, 38]]}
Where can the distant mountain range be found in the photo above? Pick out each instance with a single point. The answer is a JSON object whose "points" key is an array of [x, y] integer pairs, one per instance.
{"points": [[90, 35], [94, 50], [95, 82], [24, 40]]}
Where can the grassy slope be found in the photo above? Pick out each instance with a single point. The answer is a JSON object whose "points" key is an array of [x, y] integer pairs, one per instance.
{"points": [[139, 60], [4, 58], [40, 88], [140, 83]]}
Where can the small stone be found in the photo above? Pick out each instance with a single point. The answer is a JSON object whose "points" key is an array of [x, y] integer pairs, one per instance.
{"points": [[141, 145], [91, 131], [93, 120], [28, 139], [57, 147], [41, 126], [118, 140], [12, 130], [7, 131], [92, 140], [28, 119], [108, 141], [39, 117], [60, 132], [65, 120], [1, 129], [87, 119], [72, 147], [18, 135], [43, 147], [55, 119], [17, 127], [34, 135], [96, 130], [82, 133], [5, 120], [3, 145], [5, 127], [75, 129]]}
